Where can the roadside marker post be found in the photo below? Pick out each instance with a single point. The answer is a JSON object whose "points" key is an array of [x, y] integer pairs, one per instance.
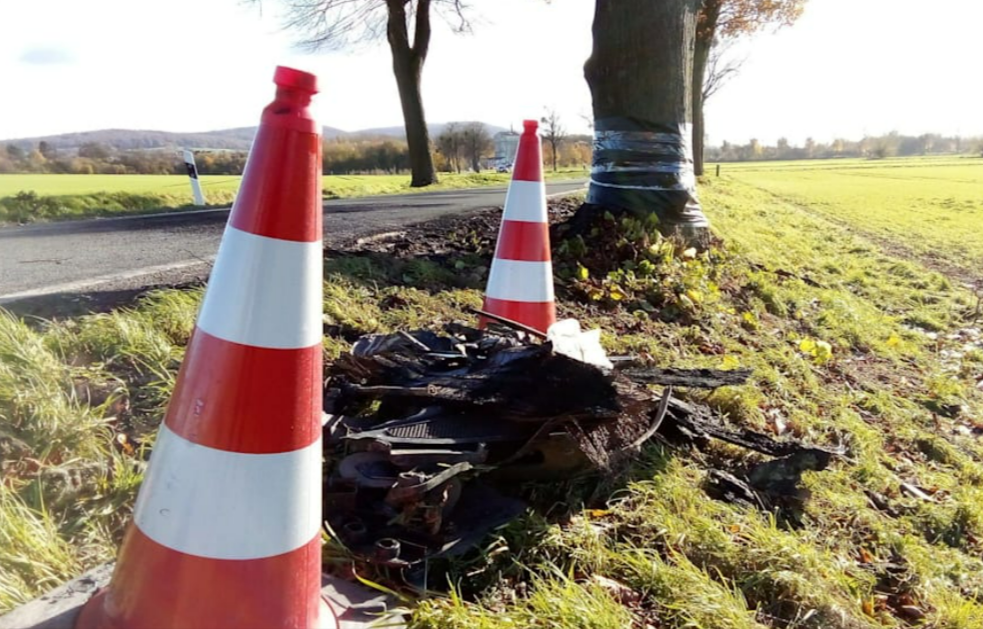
{"points": [[189, 163]]}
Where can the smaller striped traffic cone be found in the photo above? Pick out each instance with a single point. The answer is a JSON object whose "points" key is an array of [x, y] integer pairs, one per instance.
{"points": [[226, 528], [520, 283]]}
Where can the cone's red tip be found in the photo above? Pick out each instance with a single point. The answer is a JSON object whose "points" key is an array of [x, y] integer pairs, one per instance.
{"points": [[529, 157], [295, 79]]}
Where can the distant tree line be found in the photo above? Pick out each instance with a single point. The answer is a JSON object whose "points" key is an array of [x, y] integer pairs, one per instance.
{"points": [[892, 144], [358, 156], [459, 148], [471, 147], [340, 157], [94, 158]]}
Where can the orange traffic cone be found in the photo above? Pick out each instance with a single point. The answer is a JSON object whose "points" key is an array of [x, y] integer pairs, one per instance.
{"points": [[520, 283], [226, 530]]}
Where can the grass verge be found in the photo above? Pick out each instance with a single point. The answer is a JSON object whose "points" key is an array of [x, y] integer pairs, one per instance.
{"points": [[33, 198]]}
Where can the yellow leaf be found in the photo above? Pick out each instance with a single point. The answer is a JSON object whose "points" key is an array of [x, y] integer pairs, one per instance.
{"points": [[821, 351], [824, 351], [808, 346], [730, 362], [582, 272], [893, 341], [695, 296]]}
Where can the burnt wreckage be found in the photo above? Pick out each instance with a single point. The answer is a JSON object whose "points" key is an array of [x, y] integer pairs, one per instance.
{"points": [[423, 431]]}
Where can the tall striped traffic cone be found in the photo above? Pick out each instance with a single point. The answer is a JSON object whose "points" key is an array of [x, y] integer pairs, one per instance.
{"points": [[226, 530], [520, 283]]}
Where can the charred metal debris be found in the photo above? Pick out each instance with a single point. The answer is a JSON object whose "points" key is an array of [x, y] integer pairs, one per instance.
{"points": [[425, 434]]}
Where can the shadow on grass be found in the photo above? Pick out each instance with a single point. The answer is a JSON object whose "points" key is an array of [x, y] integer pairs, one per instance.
{"points": [[71, 304]]}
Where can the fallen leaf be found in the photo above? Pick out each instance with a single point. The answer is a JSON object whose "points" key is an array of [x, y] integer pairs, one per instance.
{"points": [[125, 444], [912, 612], [868, 607], [621, 592]]}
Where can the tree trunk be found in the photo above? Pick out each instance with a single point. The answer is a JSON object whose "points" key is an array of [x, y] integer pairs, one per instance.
{"points": [[699, 136], [706, 30], [408, 68], [553, 144], [417, 135], [700, 56], [640, 74]]}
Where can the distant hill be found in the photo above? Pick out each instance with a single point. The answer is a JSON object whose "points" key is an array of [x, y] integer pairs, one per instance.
{"points": [[435, 128], [238, 139]]}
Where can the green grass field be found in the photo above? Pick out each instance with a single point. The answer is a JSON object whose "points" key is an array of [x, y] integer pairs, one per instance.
{"points": [[932, 206], [900, 388], [66, 197]]}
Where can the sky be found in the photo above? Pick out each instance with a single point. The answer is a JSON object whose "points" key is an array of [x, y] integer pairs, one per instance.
{"points": [[847, 68]]}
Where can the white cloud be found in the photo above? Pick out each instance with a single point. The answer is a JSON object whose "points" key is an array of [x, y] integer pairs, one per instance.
{"points": [[46, 55]]}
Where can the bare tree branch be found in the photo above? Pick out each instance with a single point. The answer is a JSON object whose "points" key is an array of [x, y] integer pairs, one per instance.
{"points": [[476, 142], [722, 66], [453, 12], [554, 133], [450, 143], [339, 24]]}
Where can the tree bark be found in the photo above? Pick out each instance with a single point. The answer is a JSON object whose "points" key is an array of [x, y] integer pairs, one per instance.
{"points": [[702, 53], [408, 63], [640, 74], [706, 30]]}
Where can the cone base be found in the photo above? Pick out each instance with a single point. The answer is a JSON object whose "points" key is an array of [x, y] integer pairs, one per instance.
{"points": [[538, 315], [93, 616]]}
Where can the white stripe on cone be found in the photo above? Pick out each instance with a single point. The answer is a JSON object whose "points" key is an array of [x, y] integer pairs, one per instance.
{"points": [[516, 280], [526, 201], [227, 505], [264, 292]]}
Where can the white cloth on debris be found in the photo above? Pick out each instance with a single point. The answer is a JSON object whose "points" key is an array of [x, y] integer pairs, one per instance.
{"points": [[568, 339]]}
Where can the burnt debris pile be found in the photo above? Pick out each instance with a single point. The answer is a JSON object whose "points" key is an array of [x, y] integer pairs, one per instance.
{"points": [[426, 434]]}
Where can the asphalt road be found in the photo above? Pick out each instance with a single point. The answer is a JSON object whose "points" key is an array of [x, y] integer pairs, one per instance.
{"points": [[139, 251]]}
